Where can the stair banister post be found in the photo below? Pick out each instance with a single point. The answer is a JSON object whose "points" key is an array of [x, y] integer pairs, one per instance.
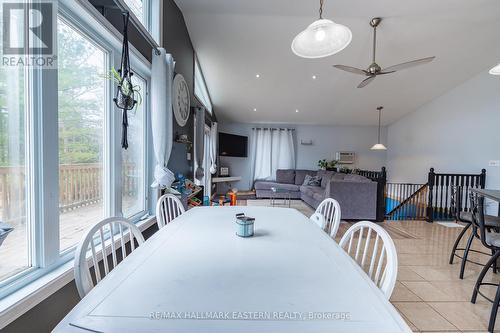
{"points": [[482, 181], [430, 182]]}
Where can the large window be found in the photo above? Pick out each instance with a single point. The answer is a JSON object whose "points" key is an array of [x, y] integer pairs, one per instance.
{"points": [[62, 168], [133, 159], [200, 87], [82, 109], [15, 249]]}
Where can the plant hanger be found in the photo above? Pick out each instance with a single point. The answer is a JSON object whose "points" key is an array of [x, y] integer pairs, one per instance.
{"points": [[125, 94]]}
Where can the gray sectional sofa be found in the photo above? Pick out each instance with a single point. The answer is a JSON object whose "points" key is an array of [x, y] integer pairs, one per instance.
{"points": [[356, 194]]}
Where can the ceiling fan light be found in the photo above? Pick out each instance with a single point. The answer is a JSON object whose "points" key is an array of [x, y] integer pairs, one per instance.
{"points": [[322, 38], [378, 146], [495, 70]]}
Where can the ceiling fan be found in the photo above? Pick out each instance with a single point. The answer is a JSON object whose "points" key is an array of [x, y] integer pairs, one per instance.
{"points": [[374, 69]]}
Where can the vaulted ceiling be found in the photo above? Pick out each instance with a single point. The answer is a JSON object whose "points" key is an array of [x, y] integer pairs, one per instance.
{"points": [[237, 39]]}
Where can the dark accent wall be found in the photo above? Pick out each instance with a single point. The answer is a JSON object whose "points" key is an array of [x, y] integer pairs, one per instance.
{"points": [[177, 42], [46, 315]]}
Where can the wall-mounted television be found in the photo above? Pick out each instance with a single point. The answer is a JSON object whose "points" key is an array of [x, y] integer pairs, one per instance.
{"points": [[233, 145]]}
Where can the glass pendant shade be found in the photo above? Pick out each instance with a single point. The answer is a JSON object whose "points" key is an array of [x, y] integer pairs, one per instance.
{"points": [[378, 146], [495, 70], [321, 39]]}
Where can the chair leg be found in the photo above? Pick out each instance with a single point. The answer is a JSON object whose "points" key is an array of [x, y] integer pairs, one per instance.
{"points": [[494, 309], [466, 254], [457, 241], [482, 274]]}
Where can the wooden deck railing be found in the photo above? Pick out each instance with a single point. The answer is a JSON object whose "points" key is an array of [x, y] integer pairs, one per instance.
{"points": [[79, 185]]}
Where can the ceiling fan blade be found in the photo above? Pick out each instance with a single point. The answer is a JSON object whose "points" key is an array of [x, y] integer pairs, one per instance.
{"points": [[408, 64], [351, 69], [366, 81]]}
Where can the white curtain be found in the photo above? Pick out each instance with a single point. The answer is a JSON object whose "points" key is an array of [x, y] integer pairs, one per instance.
{"points": [[161, 116], [213, 148], [272, 149], [199, 141]]}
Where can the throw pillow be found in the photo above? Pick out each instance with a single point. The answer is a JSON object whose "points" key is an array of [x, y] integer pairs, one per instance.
{"points": [[312, 180]]}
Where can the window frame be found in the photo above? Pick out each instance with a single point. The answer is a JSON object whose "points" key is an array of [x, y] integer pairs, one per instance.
{"points": [[197, 65], [42, 149]]}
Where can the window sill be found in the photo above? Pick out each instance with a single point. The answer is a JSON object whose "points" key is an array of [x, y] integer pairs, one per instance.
{"points": [[18, 303]]}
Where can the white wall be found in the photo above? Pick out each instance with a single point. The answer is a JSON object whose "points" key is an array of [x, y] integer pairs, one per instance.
{"points": [[457, 132], [326, 141]]}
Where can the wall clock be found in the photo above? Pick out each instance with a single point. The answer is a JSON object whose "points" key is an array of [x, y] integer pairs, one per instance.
{"points": [[181, 100]]}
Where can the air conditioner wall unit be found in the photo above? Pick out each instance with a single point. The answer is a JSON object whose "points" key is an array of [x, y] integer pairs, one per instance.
{"points": [[345, 157]]}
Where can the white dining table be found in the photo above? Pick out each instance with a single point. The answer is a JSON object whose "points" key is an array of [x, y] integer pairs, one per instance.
{"points": [[196, 275]]}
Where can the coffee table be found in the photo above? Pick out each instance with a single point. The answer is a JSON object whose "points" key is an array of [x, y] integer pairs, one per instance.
{"points": [[279, 193]]}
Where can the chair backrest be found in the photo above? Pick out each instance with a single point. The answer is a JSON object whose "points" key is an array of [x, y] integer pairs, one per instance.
{"points": [[456, 201], [330, 209], [109, 235], [318, 219], [375, 253], [167, 209]]}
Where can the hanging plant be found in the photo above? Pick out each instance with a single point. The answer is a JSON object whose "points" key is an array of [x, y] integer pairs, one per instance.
{"points": [[125, 92]]}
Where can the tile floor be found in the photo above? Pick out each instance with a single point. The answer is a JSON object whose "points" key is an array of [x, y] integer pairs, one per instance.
{"points": [[428, 293]]}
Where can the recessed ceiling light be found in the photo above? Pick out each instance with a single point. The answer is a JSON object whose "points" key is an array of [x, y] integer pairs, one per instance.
{"points": [[314, 77], [296, 110], [257, 75], [254, 110]]}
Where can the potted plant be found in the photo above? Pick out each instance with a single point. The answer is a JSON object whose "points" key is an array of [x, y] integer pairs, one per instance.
{"points": [[328, 165]]}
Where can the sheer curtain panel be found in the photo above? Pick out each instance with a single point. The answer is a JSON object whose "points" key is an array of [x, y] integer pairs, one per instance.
{"points": [[161, 116], [273, 149]]}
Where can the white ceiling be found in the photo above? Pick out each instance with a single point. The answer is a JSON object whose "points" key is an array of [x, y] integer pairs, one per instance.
{"points": [[235, 39]]}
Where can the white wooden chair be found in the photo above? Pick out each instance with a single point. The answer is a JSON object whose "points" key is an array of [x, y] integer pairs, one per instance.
{"points": [[375, 244], [104, 238], [330, 209], [318, 219], [167, 209]]}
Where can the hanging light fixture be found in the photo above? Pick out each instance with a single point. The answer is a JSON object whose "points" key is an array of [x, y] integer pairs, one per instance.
{"points": [[322, 38], [378, 145], [495, 70]]}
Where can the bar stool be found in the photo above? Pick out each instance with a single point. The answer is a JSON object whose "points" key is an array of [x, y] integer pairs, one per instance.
{"points": [[465, 217], [490, 240]]}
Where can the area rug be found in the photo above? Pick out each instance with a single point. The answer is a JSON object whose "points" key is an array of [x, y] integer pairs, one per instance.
{"points": [[296, 204]]}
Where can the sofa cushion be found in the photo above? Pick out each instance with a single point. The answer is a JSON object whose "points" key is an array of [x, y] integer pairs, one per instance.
{"points": [[285, 176], [312, 181], [356, 178], [301, 174], [311, 191], [325, 176], [263, 185], [338, 176]]}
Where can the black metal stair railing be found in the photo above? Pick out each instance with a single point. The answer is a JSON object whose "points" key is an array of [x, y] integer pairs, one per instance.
{"points": [[432, 200]]}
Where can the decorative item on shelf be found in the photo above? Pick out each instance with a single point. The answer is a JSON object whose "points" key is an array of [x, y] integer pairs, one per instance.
{"points": [[328, 165], [183, 139], [322, 38], [224, 172], [125, 93], [244, 225], [181, 101], [379, 145]]}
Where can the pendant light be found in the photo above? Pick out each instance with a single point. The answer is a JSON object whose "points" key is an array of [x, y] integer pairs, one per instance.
{"points": [[378, 145], [495, 70], [322, 38]]}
